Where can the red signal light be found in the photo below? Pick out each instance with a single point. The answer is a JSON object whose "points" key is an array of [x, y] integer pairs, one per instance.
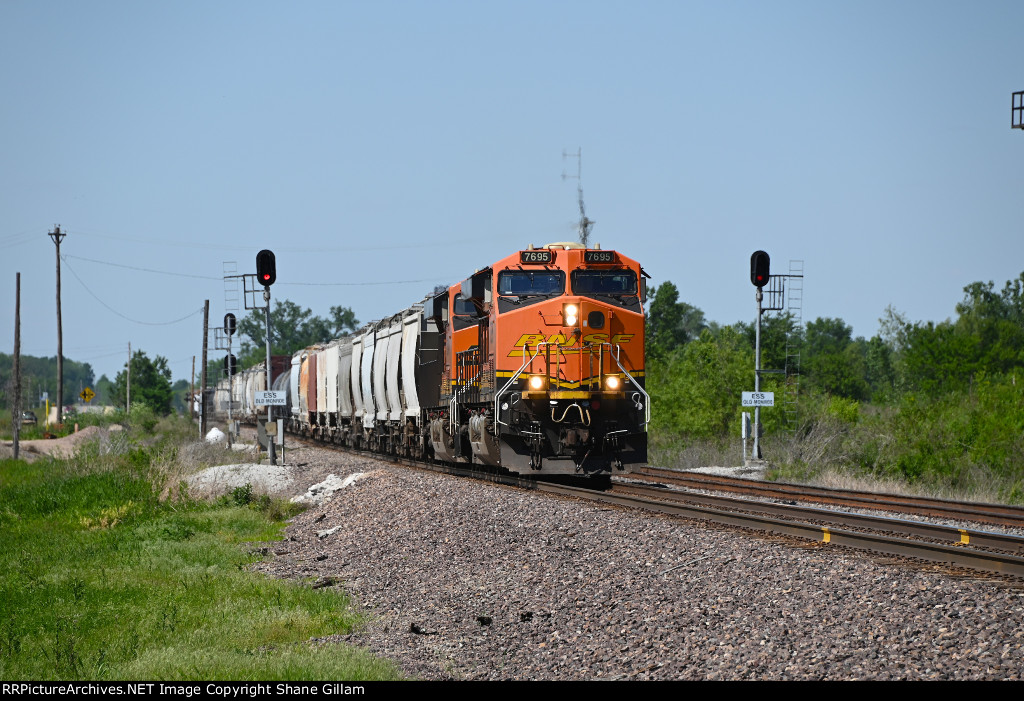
{"points": [[759, 264], [266, 267]]}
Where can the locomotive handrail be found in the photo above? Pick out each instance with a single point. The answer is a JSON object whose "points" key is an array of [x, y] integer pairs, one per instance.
{"points": [[454, 404], [647, 397], [526, 362]]}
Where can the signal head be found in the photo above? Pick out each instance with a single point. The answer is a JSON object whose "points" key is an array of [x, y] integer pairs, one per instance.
{"points": [[266, 268], [759, 264]]}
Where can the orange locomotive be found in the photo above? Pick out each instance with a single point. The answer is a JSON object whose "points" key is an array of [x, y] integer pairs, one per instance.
{"points": [[543, 367]]}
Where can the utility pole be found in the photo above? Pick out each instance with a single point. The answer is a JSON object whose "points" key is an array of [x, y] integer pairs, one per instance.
{"points": [[202, 382], [128, 392], [17, 364], [57, 235]]}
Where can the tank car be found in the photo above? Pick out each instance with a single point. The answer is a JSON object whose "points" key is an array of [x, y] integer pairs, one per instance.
{"points": [[534, 365]]}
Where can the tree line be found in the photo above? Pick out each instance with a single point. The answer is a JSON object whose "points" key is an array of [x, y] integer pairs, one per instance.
{"points": [[922, 397], [39, 375]]}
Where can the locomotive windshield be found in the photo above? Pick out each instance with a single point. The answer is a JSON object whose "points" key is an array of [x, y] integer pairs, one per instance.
{"points": [[523, 283], [604, 282]]}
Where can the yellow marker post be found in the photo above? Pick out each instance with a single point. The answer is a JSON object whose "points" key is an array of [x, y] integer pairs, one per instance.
{"points": [[826, 534]]}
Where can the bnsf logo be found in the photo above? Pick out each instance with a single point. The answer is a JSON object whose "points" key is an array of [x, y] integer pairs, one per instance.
{"points": [[532, 339]]}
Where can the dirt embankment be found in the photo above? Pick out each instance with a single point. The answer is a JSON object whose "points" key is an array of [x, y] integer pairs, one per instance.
{"points": [[57, 447]]}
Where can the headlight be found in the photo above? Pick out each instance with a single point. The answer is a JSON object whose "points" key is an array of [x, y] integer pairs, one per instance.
{"points": [[570, 314], [536, 382], [612, 382]]}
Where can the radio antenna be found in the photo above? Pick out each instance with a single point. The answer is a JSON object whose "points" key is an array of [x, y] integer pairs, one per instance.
{"points": [[585, 224]]}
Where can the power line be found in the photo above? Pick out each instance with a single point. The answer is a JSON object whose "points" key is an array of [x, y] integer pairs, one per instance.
{"points": [[128, 318], [318, 249], [208, 277], [99, 357], [358, 284], [145, 270], [13, 240]]}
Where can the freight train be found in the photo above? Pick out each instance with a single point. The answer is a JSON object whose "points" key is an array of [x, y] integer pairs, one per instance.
{"points": [[533, 365]]}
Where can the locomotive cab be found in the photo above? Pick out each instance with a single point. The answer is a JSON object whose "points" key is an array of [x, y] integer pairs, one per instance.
{"points": [[568, 354]]}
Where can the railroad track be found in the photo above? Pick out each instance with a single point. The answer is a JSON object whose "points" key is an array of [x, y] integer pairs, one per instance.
{"points": [[944, 545], [950, 546], [994, 514]]}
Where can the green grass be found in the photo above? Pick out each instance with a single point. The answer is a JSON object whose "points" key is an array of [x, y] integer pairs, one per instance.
{"points": [[101, 580]]}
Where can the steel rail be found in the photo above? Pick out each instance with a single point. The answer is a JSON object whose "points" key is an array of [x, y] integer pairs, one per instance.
{"points": [[956, 556], [996, 514], [943, 533]]}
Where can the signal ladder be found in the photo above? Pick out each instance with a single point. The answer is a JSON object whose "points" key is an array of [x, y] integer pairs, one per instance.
{"points": [[794, 335]]}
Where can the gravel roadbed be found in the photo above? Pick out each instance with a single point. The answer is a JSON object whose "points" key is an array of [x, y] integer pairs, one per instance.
{"points": [[469, 580]]}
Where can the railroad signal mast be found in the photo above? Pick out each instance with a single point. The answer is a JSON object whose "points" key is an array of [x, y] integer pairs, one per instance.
{"points": [[1017, 110], [266, 275], [229, 367], [760, 264]]}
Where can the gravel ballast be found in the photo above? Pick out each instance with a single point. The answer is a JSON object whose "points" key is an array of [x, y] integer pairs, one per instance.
{"points": [[469, 580]]}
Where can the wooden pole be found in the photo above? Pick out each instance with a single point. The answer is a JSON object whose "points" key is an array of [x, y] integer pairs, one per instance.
{"points": [[202, 388], [17, 364], [57, 235]]}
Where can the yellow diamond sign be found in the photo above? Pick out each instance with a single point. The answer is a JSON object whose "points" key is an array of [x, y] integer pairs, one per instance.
{"points": [[87, 394]]}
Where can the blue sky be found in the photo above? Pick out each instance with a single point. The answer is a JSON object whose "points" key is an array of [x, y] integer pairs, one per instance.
{"points": [[411, 143]]}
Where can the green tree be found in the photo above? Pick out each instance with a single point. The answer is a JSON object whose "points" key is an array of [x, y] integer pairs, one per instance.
{"points": [[151, 383], [39, 375], [104, 391], [696, 389], [181, 393], [996, 321], [779, 333], [670, 323], [833, 361], [987, 336], [291, 328], [938, 358], [880, 369]]}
